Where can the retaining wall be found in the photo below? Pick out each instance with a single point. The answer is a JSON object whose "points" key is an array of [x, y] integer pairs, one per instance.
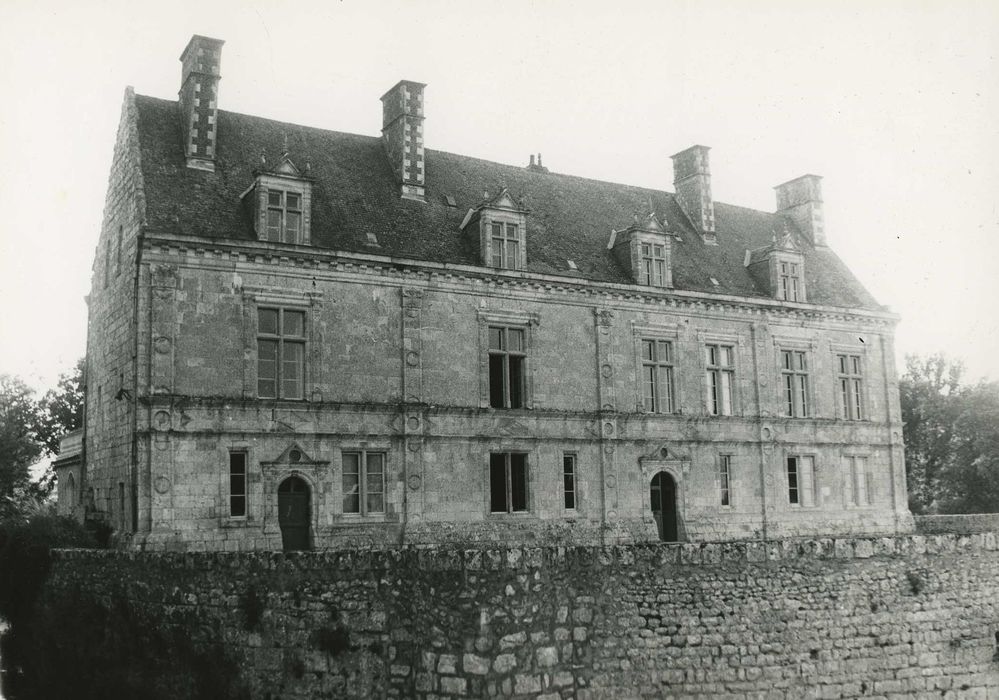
{"points": [[830, 618]]}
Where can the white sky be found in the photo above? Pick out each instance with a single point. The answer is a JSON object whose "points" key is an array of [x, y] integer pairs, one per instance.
{"points": [[896, 104]]}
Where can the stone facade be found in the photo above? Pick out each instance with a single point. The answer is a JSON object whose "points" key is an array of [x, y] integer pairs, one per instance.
{"points": [[892, 617], [186, 449]]}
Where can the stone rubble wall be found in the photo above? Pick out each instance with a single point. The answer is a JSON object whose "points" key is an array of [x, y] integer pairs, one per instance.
{"points": [[957, 524], [891, 617]]}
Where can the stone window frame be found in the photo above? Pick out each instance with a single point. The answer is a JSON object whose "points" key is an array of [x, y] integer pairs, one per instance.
{"points": [[380, 445], [245, 454], [816, 492], [251, 517], [283, 208], [362, 513], [504, 240], [503, 210], [860, 351], [521, 320], [512, 447], [788, 258], [657, 332], [653, 268], [728, 340], [809, 347], [574, 457], [261, 188], [310, 302], [283, 340], [724, 490], [850, 501]]}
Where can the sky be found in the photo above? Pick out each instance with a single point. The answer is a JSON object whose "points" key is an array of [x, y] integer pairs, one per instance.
{"points": [[895, 104]]}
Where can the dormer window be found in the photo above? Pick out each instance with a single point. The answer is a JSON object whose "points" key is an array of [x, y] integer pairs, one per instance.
{"points": [[645, 248], [654, 264], [281, 200], [790, 281], [499, 225], [284, 216], [506, 245], [779, 267]]}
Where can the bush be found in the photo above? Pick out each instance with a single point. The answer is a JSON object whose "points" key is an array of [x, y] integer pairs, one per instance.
{"points": [[24, 557]]}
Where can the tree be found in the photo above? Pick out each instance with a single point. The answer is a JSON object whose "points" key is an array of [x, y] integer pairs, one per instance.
{"points": [[19, 446], [969, 481], [927, 391], [61, 409], [951, 438]]}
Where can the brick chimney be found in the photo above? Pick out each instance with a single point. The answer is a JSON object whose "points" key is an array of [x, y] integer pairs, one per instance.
{"points": [[198, 100], [800, 200], [692, 182], [402, 136]]}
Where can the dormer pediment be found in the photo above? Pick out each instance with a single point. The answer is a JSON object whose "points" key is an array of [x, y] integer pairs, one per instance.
{"points": [[503, 200]]}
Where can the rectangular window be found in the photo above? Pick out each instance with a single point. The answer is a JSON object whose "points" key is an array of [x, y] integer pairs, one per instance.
{"points": [[790, 282], [851, 387], [725, 479], [507, 360], [653, 264], [505, 245], [364, 482], [794, 376], [569, 490], [284, 216], [280, 353], [237, 484], [857, 485], [801, 481], [507, 482], [657, 376], [117, 250], [720, 361]]}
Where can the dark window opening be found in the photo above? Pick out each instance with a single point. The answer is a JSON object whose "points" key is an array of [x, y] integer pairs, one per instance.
{"points": [[507, 482], [237, 484], [569, 481], [507, 359]]}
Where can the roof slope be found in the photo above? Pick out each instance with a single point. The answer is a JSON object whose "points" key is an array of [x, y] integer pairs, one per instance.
{"points": [[355, 193]]}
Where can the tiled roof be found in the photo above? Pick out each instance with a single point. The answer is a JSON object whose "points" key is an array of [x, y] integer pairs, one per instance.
{"points": [[354, 194]]}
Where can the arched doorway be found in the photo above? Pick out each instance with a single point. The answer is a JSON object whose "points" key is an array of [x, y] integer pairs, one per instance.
{"points": [[663, 492], [293, 513]]}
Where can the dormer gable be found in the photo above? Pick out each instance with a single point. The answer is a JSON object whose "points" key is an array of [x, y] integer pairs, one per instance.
{"points": [[780, 267], [281, 201], [501, 225], [646, 249]]}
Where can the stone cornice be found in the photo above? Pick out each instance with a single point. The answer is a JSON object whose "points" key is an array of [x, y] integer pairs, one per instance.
{"points": [[316, 259]]}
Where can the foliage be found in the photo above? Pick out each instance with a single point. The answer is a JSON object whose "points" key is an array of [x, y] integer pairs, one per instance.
{"points": [[951, 438], [60, 410], [29, 430], [24, 553], [19, 447]]}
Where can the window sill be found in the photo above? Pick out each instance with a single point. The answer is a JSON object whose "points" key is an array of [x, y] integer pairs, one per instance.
{"points": [[519, 515], [236, 521]]}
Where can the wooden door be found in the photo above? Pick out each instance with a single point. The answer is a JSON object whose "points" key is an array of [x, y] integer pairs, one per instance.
{"points": [[293, 513]]}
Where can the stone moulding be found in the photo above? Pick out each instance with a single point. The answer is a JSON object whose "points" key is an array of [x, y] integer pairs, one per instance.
{"points": [[441, 558], [319, 260]]}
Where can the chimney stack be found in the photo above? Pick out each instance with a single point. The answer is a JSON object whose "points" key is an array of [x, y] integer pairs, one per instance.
{"points": [[692, 181], [402, 136], [198, 100], [800, 200]]}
